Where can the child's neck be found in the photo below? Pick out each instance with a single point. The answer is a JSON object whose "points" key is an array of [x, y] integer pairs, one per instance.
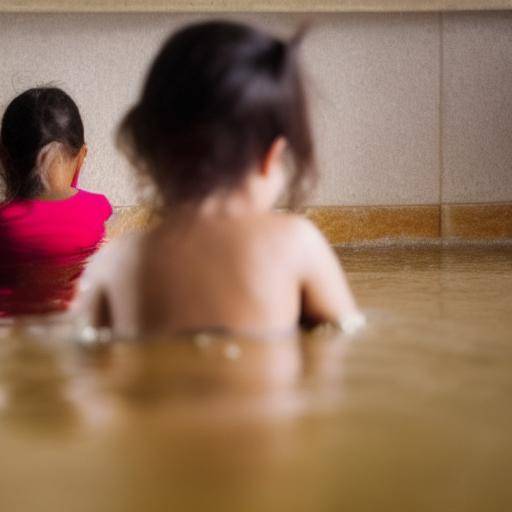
{"points": [[56, 195], [239, 203], [58, 182]]}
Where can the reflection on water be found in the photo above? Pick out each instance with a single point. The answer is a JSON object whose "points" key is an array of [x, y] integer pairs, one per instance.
{"points": [[412, 414], [28, 288]]}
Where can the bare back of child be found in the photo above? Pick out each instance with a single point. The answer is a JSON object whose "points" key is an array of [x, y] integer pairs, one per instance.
{"points": [[213, 131]]}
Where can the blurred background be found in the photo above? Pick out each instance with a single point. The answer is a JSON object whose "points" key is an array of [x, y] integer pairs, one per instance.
{"points": [[408, 108]]}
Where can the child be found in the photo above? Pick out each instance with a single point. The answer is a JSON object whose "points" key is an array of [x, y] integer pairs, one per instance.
{"points": [[48, 228], [221, 107]]}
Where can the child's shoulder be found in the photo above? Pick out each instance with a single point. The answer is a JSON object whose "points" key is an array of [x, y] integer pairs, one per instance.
{"points": [[12, 208], [295, 225], [297, 234], [93, 196], [291, 237], [96, 200]]}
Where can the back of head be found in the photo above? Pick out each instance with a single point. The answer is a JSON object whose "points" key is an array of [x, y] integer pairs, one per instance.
{"points": [[34, 120], [216, 97]]}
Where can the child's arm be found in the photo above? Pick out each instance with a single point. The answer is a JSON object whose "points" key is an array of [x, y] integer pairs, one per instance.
{"points": [[107, 291], [326, 294], [91, 306]]}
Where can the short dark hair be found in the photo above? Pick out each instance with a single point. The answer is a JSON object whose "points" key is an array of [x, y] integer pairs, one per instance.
{"points": [[32, 120], [216, 97]]}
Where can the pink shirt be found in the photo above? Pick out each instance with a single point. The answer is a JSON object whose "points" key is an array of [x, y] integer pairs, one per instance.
{"points": [[44, 246]]}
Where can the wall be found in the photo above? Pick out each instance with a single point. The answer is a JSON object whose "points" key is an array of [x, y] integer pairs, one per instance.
{"points": [[203, 6], [407, 108]]}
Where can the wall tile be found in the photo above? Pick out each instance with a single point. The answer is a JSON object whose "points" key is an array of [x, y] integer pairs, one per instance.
{"points": [[477, 221], [375, 91], [477, 107], [362, 224]]}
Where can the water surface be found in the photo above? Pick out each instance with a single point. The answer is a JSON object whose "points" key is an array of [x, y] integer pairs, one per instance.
{"points": [[412, 414]]}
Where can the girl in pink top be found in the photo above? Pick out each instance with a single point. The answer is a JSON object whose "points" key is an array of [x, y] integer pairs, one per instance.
{"points": [[48, 227]]}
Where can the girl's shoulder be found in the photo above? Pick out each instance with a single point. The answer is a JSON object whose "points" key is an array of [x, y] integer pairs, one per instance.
{"points": [[8, 208], [295, 233], [293, 225], [83, 198], [93, 200], [17, 210]]}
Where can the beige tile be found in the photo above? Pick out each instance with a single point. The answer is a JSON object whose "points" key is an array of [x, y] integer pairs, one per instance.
{"points": [[360, 224], [477, 107], [477, 221], [363, 224], [374, 84], [341, 225]]}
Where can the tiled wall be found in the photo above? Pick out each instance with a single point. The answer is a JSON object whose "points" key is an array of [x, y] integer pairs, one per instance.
{"points": [[476, 115], [375, 96], [407, 108]]}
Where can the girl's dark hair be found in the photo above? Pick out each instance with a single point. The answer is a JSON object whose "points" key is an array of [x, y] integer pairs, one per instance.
{"points": [[33, 120], [216, 97]]}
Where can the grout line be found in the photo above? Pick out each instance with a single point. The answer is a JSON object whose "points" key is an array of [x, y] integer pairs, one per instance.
{"points": [[440, 120]]}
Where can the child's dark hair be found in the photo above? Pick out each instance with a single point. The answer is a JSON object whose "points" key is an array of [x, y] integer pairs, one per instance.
{"points": [[33, 120], [217, 95]]}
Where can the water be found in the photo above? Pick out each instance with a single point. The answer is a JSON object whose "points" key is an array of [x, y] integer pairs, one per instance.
{"points": [[415, 413]]}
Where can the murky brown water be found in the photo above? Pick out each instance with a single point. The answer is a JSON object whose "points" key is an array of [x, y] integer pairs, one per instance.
{"points": [[414, 414]]}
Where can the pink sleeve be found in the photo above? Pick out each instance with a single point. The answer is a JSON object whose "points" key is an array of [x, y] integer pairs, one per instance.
{"points": [[106, 207]]}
